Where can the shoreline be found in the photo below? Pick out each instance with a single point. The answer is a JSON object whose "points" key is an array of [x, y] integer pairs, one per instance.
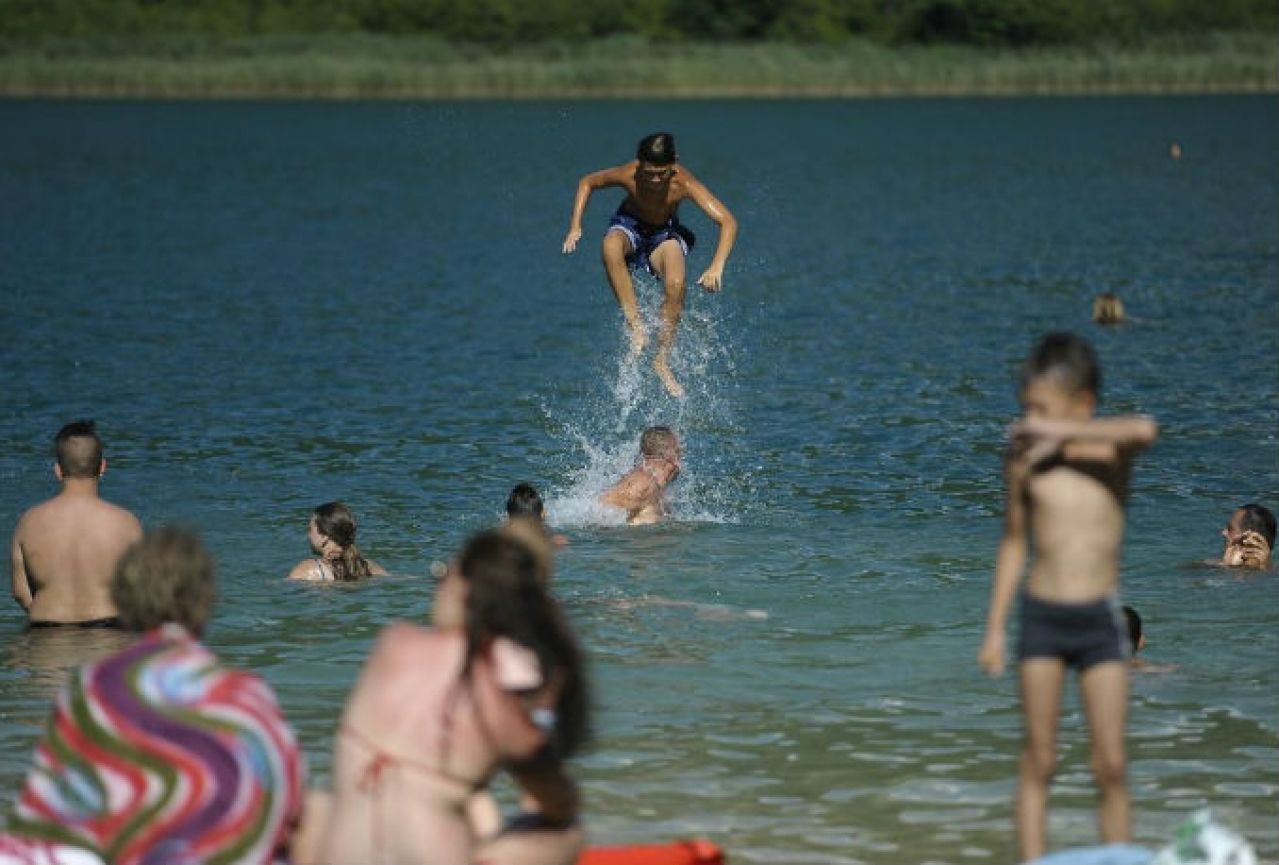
{"points": [[330, 67]]}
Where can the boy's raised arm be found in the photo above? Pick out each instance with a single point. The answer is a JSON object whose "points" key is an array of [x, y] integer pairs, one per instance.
{"points": [[615, 176], [1098, 438]]}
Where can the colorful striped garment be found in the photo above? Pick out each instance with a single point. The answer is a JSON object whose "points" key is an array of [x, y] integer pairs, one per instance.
{"points": [[162, 755]]}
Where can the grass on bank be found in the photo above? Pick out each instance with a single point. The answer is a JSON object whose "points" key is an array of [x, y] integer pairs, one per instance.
{"points": [[364, 66]]}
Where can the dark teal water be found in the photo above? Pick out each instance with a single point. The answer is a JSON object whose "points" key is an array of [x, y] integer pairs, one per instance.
{"points": [[271, 305]]}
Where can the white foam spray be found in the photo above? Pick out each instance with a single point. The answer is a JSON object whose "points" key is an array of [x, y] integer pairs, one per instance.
{"points": [[605, 428]]}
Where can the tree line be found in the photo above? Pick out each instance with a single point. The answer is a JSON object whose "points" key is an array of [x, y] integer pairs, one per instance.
{"points": [[508, 23]]}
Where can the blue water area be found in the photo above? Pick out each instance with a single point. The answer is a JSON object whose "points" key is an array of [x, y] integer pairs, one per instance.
{"points": [[267, 306]]}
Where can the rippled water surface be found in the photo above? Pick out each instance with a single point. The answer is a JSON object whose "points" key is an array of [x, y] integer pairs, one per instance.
{"points": [[268, 306]]}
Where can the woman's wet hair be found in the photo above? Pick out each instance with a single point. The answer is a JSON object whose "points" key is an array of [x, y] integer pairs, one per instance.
{"points": [[1067, 358], [657, 149], [337, 523], [524, 501], [78, 449], [167, 576], [506, 597], [1258, 518]]}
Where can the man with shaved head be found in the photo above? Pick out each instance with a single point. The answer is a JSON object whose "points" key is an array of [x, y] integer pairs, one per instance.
{"points": [[65, 549]]}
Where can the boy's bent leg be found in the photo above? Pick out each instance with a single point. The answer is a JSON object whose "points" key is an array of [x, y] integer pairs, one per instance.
{"points": [[1104, 691], [1041, 684], [615, 249], [668, 259]]}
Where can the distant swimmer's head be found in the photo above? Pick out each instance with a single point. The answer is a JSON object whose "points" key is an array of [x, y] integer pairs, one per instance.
{"points": [[331, 534], [1061, 378], [1107, 309], [525, 501], [1250, 537], [660, 452], [333, 522], [78, 451], [165, 577], [1136, 638]]}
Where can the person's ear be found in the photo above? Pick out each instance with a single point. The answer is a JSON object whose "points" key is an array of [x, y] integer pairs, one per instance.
{"points": [[1141, 643], [102, 467]]}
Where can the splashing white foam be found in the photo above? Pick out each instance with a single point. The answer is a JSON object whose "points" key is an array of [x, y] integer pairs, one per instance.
{"points": [[607, 426]]}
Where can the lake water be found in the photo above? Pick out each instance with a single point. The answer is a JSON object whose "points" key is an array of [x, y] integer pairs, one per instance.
{"points": [[271, 305]]}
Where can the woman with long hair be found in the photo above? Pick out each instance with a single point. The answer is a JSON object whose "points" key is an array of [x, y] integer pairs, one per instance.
{"points": [[497, 683], [331, 534]]}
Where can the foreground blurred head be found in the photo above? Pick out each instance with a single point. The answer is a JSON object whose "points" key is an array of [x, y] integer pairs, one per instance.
{"points": [[165, 577]]}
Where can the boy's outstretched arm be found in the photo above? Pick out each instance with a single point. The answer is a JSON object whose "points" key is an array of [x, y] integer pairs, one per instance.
{"points": [[588, 184], [712, 278], [1101, 438], [1009, 563]]}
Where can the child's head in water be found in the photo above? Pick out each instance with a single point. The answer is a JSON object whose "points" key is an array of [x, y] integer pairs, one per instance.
{"points": [[525, 501], [1136, 638], [659, 444], [1107, 309], [1061, 379], [1250, 537]]}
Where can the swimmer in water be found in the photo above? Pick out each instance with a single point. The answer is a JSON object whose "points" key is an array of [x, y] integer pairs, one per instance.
{"points": [[1108, 309], [642, 491], [331, 533], [1250, 538], [525, 503], [646, 233]]}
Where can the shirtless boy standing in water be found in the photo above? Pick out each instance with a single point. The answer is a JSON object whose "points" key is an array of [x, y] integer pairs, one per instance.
{"points": [[1067, 480], [642, 491], [646, 233], [65, 550]]}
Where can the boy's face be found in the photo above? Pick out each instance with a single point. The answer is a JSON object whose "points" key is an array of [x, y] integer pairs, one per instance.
{"points": [[1045, 397], [654, 175]]}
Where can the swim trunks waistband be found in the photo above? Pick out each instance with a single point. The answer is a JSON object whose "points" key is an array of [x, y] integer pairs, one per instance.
{"points": [[106, 622]]}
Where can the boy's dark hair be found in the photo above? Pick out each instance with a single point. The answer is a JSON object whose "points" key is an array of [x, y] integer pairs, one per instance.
{"points": [[1067, 357], [1134, 627], [657, 149], [524, 501], [507, 597], [78, 449], [657, 441], [1258, 518]]}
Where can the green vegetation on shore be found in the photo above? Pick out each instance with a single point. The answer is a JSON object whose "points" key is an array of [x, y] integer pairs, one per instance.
{"points": [[364, 65]]}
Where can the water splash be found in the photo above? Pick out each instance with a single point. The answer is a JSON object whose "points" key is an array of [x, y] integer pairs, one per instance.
{"points": [[606, 426]]}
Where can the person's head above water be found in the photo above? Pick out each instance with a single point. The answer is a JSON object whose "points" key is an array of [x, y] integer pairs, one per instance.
{"points": [[78, 450], [1060, 378], [525, 501], [657, 149], [1107, 309], [1250, 537], [165, 577], [331, 534], [1136, 639], [660, 450]]}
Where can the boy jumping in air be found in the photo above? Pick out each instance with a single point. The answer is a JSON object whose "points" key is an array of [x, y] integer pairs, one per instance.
{"points": [[1066, 472], [646, 233]]}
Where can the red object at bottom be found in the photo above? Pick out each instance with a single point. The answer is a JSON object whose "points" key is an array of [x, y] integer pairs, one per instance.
{"points": [[694, 852]]}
